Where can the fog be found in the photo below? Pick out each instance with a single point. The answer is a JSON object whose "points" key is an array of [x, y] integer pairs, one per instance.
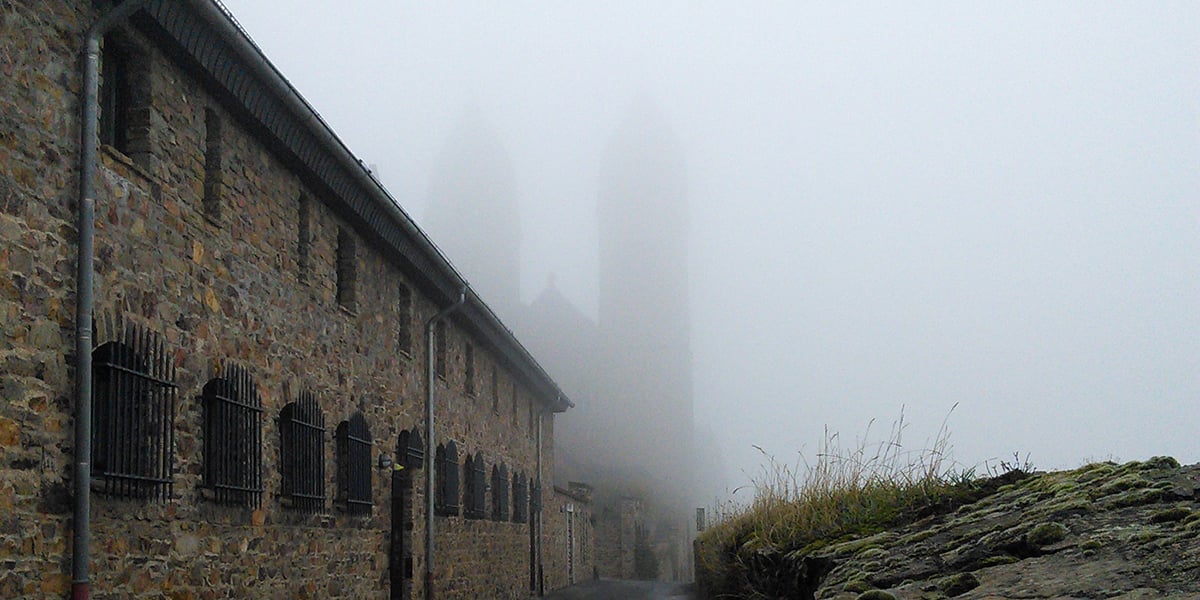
{"points": [[888, 208]]}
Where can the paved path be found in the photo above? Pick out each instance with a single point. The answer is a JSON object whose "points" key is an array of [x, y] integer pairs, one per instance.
{"points": [[615, 589]]}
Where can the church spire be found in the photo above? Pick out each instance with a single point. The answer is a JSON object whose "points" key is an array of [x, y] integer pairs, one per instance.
{"points": [[473, 211], [644, 309]]}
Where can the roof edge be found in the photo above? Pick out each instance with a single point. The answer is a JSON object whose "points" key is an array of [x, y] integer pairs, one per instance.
{"points": [[384, 217]]}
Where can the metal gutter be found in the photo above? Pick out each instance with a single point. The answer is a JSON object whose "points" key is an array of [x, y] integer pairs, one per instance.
{"points": [[84, 300]]}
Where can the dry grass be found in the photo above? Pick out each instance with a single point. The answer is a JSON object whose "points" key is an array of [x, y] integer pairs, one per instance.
{"points": [[844, 491]]}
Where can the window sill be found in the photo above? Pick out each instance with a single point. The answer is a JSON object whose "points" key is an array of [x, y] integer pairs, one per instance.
{"points": [[124, 159], [121, 164]]}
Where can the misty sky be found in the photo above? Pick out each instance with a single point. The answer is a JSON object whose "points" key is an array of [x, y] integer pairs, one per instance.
{"points": [[891, 205]]}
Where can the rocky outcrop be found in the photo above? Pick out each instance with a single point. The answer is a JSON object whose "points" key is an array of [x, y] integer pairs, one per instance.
{"points": [[1106, 531]]}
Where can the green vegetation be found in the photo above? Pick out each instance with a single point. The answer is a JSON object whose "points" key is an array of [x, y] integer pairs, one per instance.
{"points": [[1047, 534], [846, 496], [876, 595], [957, 584]]}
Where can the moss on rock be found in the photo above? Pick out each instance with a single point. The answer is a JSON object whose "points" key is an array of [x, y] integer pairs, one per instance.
{"points": [[1170, 515], [876, 595], [957, 584], [856, 586], [1160, 463], [1046, 534]]}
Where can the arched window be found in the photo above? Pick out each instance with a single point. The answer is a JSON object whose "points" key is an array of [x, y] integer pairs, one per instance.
{"points": [[354, 464], [500, 497], [302, 454], [233, 438], [410, 449], [445, 500], [475, 472], [520, 496], [133, 414], [468, 471]]}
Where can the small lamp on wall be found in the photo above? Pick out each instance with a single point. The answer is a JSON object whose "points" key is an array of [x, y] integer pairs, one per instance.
{"points": [[385, 462]]}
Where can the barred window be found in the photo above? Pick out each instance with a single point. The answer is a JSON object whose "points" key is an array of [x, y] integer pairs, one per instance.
{"points": [[470, 369], [514, 403], [354, 464], [475, 473], [520, 499], [495, 391], [116, 96], [535, 497], [530, 430], [347, 270], [213, 176], [302, 454], [133, 414], [500, 493], [125, 100], [439, 332], [233, 438], [303, 239], [445, 500], [410, 449], [404, 326]]}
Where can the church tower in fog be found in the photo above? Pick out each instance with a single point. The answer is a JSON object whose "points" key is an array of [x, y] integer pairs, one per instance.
{"points": [[644, 316], [473, 213], [630, 371]]}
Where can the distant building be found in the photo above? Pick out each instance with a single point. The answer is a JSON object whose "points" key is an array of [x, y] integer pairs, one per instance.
{"points": [[473, 212], [645, 318], [631, 435], [258, 358], [570, 529]]}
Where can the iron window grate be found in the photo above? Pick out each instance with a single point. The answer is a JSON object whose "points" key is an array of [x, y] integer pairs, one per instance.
{"points": [[302, 431], [410, 449], [404, 326], [520, 498], [500, 493], [474, 471], [354, 464], [446, 480], [133, 408], [233, 438]]}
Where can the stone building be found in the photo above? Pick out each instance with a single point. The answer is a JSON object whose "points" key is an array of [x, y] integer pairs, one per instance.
{"points": [[618, 524], [629, 369], [570, 522], [256, 347]]}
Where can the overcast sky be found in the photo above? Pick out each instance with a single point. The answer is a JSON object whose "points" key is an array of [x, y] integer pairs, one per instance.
{"points": [[914, 204]]}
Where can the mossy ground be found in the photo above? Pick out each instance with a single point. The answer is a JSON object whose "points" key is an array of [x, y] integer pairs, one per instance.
{"points": [[927, 532]]}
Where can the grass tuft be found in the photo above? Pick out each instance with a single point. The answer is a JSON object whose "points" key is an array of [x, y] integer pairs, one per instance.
{"points": [[846, 492]]}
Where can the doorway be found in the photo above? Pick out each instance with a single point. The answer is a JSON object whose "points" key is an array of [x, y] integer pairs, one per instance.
{"points": [[409, 456]]}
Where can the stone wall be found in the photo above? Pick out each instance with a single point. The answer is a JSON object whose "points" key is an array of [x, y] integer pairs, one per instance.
{"points": [[221, 284], [617, 523], [568, 520]]}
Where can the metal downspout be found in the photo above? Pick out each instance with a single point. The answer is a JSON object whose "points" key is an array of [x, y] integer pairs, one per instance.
{"points": [[430, 445], [541, 582], [81, 524]]}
